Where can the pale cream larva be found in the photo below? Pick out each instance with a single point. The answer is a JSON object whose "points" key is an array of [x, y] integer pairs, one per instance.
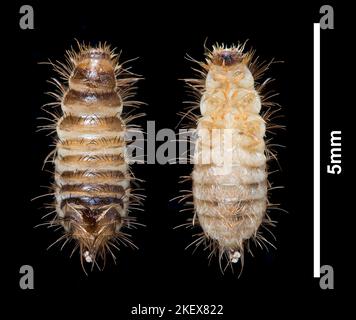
{"points": [[229, 177]]}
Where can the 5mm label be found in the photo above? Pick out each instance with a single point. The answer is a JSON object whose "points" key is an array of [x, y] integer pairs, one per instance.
{"points": [[335, 166]]}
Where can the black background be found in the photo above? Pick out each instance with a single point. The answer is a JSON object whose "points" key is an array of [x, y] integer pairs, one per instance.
{"points": [[161, 272]]}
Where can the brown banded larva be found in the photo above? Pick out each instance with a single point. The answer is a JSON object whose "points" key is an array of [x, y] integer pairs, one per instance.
{"points": [[230, 192], [93, 181]]}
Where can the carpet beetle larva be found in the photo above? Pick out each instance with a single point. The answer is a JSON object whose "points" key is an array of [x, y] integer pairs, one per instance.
{"points": [[230, 197], [93, 183]]}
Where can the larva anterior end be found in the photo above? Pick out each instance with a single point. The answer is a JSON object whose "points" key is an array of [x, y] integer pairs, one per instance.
{"points": [[92, 178], [230, 192]]}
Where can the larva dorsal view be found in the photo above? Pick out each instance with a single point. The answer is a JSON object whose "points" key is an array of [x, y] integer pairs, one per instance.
{"points": [[230, 191], [92, 186]]}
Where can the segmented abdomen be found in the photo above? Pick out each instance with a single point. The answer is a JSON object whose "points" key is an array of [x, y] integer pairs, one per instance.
{"points": [[230, 207]]}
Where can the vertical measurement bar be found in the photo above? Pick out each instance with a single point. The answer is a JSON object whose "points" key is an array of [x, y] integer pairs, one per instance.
{"points": [[316, 150]]}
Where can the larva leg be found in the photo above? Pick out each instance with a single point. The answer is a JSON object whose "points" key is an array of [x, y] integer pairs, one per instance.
{"points": [[230, 205], [92, 178]]}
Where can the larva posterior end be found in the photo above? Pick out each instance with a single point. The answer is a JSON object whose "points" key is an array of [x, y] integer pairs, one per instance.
{"points": [[93, 227], [88, 256], [234, 256]]}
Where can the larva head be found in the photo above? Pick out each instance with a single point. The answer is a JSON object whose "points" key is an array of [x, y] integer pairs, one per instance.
{"points": [[227, 81], [94, 69], [93, 226], [230, 64], [227, 57]]}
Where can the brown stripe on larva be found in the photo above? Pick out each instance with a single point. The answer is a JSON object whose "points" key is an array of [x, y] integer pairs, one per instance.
{"points": [[92, 99], [94, 174], [91, 201], [89, 176], [91, 124], [91, 80], [98, 159], [92, 178], [91, 144], [91, 187]]}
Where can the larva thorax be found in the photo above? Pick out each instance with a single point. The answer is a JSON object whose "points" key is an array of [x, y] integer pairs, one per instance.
{"points": [[230, 206], [230, 99], [92, 181]]}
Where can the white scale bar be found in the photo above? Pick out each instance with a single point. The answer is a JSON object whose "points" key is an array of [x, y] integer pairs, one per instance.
{"points": [[316, 150]]}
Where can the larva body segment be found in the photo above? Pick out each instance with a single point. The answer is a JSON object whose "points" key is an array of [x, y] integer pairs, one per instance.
{"points": [[230, 206], [92, 178]]}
